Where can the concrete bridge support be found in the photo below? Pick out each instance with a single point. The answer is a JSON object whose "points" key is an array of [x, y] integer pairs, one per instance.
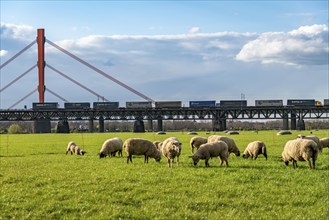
{"points": [[42, 126], [293, 121], [285, 125], [139, 126], [101, 124], [160, 125], [63, 126], [150, 125], [301, 124], [219, 124], [91, 125]]}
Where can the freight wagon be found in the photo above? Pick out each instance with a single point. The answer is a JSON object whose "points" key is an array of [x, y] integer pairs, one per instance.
{"points": [[77, 105], [168, 104], [301, 102], [261, 103], [44, 105], [233, 103], [198, 104], [326, 102], [105, 105], [138, 104]]}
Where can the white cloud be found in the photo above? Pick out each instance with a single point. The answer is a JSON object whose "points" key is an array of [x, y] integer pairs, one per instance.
{"points": [[3, 53], [307, 45], [194, 30], [15, 31]]}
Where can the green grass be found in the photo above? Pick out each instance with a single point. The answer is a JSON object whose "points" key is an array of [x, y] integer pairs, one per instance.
{"points": [[38, 181]]}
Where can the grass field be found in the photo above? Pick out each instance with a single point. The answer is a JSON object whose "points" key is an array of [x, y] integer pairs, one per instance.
{"points": [[38, 181]]}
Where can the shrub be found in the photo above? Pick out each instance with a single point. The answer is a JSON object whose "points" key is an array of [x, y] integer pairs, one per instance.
{"points": [[15, 129]]}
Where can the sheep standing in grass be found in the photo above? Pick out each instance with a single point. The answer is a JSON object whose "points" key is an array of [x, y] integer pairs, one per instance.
{"points": [[110, 147], [325, 142], [171, 148], [313, 138], [232, 148], [74, 149], [139, 146], [254, 149], [197, 141], [209, 150], [300, 150]]}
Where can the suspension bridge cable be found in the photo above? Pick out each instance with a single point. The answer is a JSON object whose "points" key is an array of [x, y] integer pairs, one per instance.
{"points": [[22, 99], [19, 77], [19, 53], [55, 94], [99, 71], [76, 82]]}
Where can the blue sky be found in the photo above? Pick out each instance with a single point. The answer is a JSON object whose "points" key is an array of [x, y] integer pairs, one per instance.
{"points": [[171, 50]]}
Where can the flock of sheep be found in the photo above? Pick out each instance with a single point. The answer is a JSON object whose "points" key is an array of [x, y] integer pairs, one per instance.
{"points": [[303, 148]]}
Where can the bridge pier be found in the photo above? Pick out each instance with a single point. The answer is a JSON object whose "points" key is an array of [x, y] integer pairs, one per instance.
{"points": [[42, 126], [293, 121], [101, 124], [91, 125], [160, 125], [301, 124], [139, 126], [219, 124], [150, 125], [285, 124], [63, 126]]}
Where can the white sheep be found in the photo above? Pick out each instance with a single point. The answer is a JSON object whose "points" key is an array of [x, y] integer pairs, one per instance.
{"points": [[110, 147], [209, 150], [139, 146], [255, 148], [313, 138], [232, 148], [74, 149], [300, 150], [171, 148], [197, 141], [325, 142]]}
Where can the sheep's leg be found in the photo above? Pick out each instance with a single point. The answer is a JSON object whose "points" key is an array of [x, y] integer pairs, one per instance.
{"points": [[221, 160], [207, 163], [177, 160], [168, 160], [309, 163]]}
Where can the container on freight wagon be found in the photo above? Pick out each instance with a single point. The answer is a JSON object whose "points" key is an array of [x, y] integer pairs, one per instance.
{"points": [[233, 103], [301, 102], [198, 104], [168, 104], [105, 105], [77, 105], [271, 103], [44, 105], [138, 104]]}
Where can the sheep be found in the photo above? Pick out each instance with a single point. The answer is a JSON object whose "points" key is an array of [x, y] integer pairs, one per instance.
{"points": [[232, 148], [171, 148], [197, 141], [158, 145], [110, 147], [74, 149], [209, 150], [325, 142], [313, 138], [300, 150], [255, 148], [139, 146]]}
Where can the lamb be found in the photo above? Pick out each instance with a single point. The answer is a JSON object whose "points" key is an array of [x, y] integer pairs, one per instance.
{"points": [[325, 142], [209, 150], [313, 138], [197, 141], [110, 147], [74, 149], [232, 148], [254, 149], [300, 150], [171, 148], [139, 146]]}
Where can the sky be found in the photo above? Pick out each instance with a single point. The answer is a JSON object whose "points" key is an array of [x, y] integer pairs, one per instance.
{"points": [[167, 50]]}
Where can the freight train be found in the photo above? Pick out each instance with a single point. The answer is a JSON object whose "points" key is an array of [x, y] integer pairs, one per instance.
{"points": [[178, 104]]}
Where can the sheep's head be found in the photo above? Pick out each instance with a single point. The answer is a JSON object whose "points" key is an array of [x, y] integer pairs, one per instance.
{"points": [[195, 159], [237, 152], [82, 152], [245, 156], [101, 155], [157, 156]]}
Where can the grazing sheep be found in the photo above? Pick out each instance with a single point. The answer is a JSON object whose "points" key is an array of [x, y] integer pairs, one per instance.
{"points": [[139, 146], [171, 148], [313, 138], [325, 142], [209, 150], [110, 147], [254, 149], [232, 148], [158, 145], [74, 149], [300, 150], [196, 142]]}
